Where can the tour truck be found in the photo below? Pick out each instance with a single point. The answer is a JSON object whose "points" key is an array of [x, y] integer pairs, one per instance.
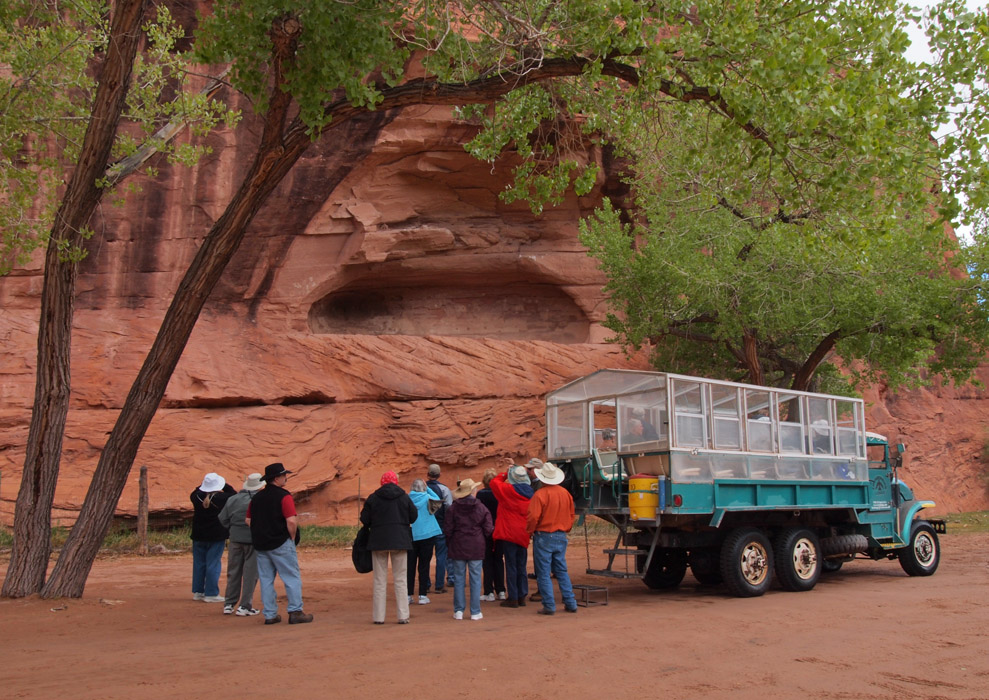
{"points": [[741, 483]]}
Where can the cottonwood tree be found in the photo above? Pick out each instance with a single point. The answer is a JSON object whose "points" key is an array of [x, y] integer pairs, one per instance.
{"points": [[814, 255], [553, 76], [65, 84]]}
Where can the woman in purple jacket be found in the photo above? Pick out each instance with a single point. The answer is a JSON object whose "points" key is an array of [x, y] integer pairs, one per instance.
{"points": [[467, 527]]}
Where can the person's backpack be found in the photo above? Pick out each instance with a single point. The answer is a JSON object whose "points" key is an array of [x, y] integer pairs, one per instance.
{"points": [[440, 512], [360, 553]]}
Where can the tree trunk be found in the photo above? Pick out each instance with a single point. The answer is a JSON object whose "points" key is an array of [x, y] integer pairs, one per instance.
{"points": [[32, 515]]}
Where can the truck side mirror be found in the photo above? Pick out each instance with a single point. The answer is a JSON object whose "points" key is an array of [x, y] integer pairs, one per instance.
{"points": [[901, 448]]}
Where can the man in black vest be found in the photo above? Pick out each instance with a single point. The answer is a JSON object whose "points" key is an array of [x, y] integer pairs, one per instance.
{"points": [[274, 525]]}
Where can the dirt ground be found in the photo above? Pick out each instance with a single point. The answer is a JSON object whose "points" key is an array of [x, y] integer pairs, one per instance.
{"points": [[868, 631]]}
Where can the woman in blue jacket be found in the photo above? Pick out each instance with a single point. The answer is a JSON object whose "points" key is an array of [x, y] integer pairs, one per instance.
{"points": [[424, 532]]}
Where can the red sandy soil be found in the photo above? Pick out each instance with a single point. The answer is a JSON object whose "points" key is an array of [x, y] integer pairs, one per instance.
{"points": [[868, 631]]}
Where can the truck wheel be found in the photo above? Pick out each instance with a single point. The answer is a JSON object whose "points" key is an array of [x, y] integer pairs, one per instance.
{"points": [[922, 556], [704, 566], [830, 566], [666, 570], [747, 562], [798, 559]]}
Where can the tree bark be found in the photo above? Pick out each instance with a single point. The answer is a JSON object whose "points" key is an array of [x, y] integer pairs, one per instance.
{"points": [[32, 515]]}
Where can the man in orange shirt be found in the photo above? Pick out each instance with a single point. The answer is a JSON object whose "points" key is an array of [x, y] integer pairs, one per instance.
{"points": [[551, 515]]}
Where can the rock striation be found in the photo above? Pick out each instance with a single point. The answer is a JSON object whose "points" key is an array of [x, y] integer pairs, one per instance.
{"points": [[386, 311]]}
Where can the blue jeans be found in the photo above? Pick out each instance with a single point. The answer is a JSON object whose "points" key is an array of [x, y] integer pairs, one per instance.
{"points": [[283, 561], [549, 554], [442, 574], [207, 558], [460, 568], [516, 580]]}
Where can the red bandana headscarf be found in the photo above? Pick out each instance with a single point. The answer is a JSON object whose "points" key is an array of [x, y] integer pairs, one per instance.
{"points": [[389, 478]]}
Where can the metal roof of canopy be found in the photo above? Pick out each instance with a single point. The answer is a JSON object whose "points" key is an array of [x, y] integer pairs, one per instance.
{"points": [[606, 383]]}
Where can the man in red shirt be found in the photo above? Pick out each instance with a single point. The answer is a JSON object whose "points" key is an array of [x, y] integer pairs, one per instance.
{"points": [[274, 524], [551, 515]]}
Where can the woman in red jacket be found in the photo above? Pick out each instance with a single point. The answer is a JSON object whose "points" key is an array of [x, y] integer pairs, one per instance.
{"points": [[513, 491]]}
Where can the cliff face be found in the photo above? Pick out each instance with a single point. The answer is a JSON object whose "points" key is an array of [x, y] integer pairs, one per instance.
{"points": [[386, 311]]}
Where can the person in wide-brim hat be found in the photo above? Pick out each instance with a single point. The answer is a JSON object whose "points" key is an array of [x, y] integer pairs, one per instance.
{"points": [[549, 473]]}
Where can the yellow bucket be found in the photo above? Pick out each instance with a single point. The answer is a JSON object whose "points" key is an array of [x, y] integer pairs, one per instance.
{"points": [[643, 497]]}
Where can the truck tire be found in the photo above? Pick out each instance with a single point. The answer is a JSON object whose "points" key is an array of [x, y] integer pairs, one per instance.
{"points": [[747, 562], [844, 544], [705, 566], [666, 570], [830, 566], [923, 554], [798, 559]]}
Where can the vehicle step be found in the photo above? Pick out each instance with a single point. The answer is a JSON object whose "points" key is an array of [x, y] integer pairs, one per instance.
{"points": [[628, 552], [613, 574]]}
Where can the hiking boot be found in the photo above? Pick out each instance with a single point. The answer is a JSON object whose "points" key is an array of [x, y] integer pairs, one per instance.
{"points": [[521, 602], [509, 603], [546, 611], [247, 612], [571, 610], [298, 617], [535, 598], [440, 590], [273, 620]]}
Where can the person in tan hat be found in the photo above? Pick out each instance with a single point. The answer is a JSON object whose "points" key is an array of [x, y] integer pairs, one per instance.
{"points": [[242, 560], [467, 527], [551, 515]]}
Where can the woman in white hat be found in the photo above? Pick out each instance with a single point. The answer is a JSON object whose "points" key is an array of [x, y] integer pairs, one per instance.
{"points": [[208, 536]]}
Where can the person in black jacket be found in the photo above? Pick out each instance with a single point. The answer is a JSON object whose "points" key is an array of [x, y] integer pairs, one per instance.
{"points": [[389, 514], [208, 536], [274, 524]]}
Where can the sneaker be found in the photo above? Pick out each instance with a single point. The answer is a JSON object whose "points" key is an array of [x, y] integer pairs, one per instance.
{"points": [[247, 612], [501, 596], [479, 616], [489, 598], [198, 596], [212, 598], [423, 600], [459, 615], [228, 610], [404, 622], [410, 599], [440, 590], [273, 620], [298, 617]]}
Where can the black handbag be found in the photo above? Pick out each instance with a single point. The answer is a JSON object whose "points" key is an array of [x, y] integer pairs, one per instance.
{"points": [[360, 553]]}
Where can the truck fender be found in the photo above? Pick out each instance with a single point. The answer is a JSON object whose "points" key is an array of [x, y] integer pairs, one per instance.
{"points": [[906, 524]]}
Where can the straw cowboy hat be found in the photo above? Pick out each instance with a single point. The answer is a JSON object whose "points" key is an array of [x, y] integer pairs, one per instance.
{"points": [[465, 488], [549, 473]]}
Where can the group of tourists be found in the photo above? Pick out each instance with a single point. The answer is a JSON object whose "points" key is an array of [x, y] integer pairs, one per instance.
{"points": [[263, 528], [478, 532]]}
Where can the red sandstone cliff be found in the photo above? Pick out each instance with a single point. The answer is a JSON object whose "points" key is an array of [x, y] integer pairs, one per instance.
{"points": [[386, 311]]}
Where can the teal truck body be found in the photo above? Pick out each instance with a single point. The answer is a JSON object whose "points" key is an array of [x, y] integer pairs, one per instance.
{"points": [[740, 483]]}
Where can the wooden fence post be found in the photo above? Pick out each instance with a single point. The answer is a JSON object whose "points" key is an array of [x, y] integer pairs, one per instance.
{"points": [[142, 512]]}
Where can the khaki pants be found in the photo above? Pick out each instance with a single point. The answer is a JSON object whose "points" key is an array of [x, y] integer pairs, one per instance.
{"points": [[399, 568]]}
